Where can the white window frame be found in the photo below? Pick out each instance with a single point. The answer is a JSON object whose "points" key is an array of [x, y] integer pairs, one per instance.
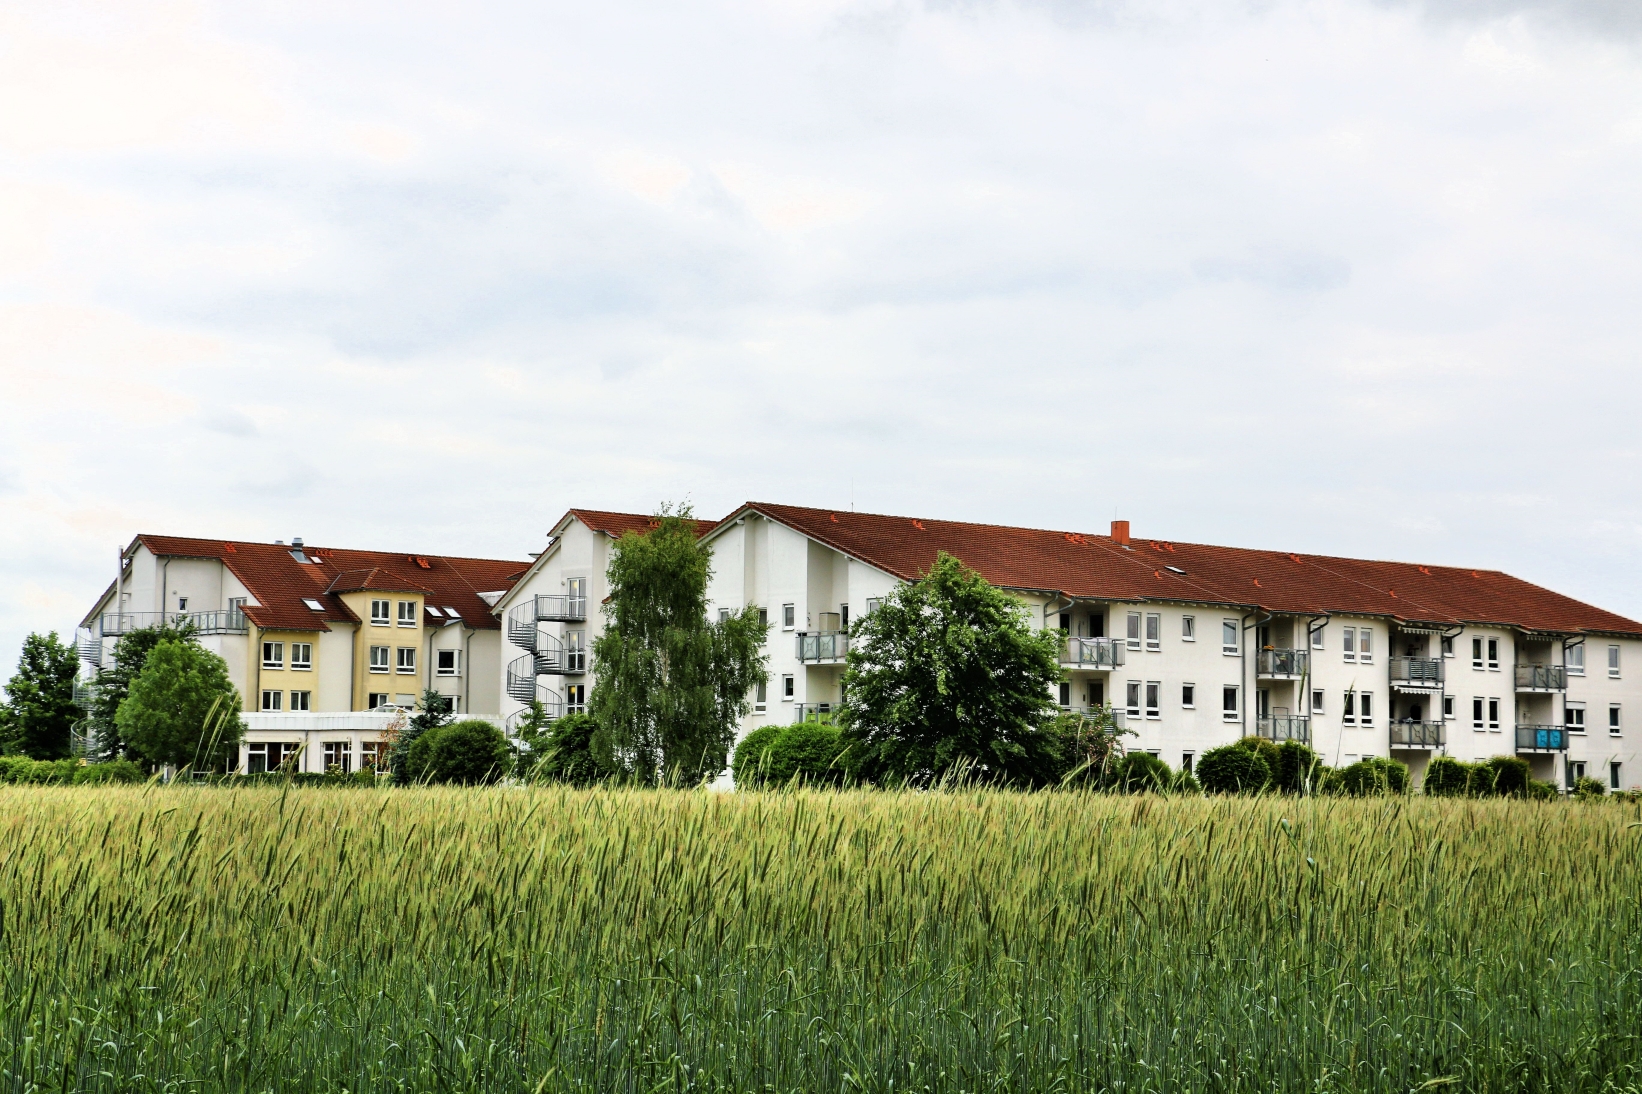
{"points": [[1493, 715], [1476, 653], [1317, 700], [1349, 643], [381, 613], [1348, 708], [376, 699], [439, 668], [1154, 700], [1616, 776], [761, 696], [1188, 696], [1132, 632], [1448, 708], [382, 663], [1317, 637], [1233, 713], [1131, 697], [302, 656], [273, 655], [1154, 632], [1573, 659], [1573, 717], [399, 661], [330, 750], [273, 700], [789, 617], [787, 688], [1365, 645], [1478, 719], [1365, 707], [407, 613], [1235, 646], [302, 702], [1188, 628], [1446, 644], [1613, 662], [1493, 654], [1615, 726], [575, 698]]}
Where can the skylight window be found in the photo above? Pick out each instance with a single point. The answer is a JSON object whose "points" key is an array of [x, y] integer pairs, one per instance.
{"points": [[1175, 570], [434, 612], [452, 612], [314, 604]]}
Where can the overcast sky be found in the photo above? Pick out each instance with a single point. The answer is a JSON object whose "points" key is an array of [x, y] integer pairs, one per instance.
{"points": [[1337, 277]]}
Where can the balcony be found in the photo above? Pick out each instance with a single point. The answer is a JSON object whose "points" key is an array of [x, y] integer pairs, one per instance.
{"points": [[559, 609], [1542, 678], [1542, 739], [1119, 718], [1275, 664], [822, 713], [823, 647], [1283, 727], [1418, 673], [1418, 735], [231, 621], [1092, 653]]}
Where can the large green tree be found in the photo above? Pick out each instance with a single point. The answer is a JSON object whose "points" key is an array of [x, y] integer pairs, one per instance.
{"points": [[949, 676], [672, 685], [113, 684], [182, 710], [39, 713]]}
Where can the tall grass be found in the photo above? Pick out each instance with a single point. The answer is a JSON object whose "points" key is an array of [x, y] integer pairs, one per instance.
{"points": [[547, 939]]}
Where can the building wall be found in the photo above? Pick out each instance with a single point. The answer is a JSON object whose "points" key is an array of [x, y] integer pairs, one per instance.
{"points": [[400, 687], [579, 552]]}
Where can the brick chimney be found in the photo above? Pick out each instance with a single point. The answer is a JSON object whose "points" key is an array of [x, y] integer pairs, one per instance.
{"points": [[1120, 533]]}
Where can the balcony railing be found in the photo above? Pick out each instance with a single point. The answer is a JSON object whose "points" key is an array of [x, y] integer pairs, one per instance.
{"points": [[557, 608], [1542, 678], [1283, 727], [230, 621], [1092, 653], [1282, 664], [1416, 672], [1120, 718], [824, 713], [1542, 739], [1418, 735], [822, 647]]}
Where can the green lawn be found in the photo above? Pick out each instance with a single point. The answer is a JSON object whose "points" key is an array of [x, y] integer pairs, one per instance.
{"points": [[544, 940]]}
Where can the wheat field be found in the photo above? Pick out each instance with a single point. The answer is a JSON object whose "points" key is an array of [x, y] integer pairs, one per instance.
{"points": [[199, 939]]}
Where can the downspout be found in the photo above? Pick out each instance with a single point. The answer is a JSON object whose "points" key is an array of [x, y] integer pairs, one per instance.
{"points": [[165, 576], [467, 668], [353, 670]]}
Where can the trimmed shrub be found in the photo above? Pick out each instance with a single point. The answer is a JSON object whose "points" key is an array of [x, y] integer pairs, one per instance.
{"points": [[1233, 769], [469, 752], [22, 770], [807, 751], [1268, 750], [1185, 783], [1296, 768], [120, 771], [574, 750], [1505, 775], [1139, 772], [1450, 778], [1586, 789], [1539, 790], [1374, 775]]}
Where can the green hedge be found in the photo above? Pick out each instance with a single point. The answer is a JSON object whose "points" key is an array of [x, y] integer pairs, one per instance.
{"points": [[773, 756], [1234, 769], [22, 770]]}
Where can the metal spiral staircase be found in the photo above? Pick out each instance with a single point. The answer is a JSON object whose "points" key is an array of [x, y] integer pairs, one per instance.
{"points": [[546, 653]]}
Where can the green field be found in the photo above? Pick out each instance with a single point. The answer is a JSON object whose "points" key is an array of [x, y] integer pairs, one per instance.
{"points": [[543, 940]]}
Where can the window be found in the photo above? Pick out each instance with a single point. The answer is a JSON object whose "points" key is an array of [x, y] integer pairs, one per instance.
{"points": [[339, 756], [376, 698], [1188, 628], [407, 613], [761, 694], [1186, 761], [1365, 708], [434, 612], [1573, 717], [1317, 638], [313, 604], [273, 655], [1448, 708], [404, 699], [1154, 631], [1154, 692], [1574, 657], [1348, 709], [1066, 695], [1476, 714], [1476, 653], [407, 659], [379, 613], [448, 662], [1576, 771], [1317, 701], [873, 602], [302, 700], [1613, 719], [237, 603], [575, 699], [1228, 704], [1097, 625], [452, 612], [1365, 645], [1188, 696], [1065, 623], [369, 753], [1448, 645], [1228, 637], [724, 615], [1134, 630], [1493, 715], [271, 700], [1351, 643], [786, 689], [575, 592], [455, 702], [764, 618], [844, 617], [379, 660], [1493, 655], [302, 656], [263, 756], [575, 651], [1132, 698], [182, 603], [1613, 661], [787, 617], [1613, 775]]}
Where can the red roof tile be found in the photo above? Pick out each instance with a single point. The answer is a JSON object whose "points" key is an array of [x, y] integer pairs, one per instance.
{"points": [[279, 583], [1092, 566], [617, 524]]}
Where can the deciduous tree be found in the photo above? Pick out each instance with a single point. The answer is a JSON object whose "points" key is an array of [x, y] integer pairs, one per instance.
{"points": [[38, 715], [182, 710]]}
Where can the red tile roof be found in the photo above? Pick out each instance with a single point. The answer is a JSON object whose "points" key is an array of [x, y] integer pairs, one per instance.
{"points": [[617, 524], [279, 583], [1093, 566]]}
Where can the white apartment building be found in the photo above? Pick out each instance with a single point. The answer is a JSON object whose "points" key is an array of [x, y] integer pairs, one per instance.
{"points": [[1195, 646], [551, 613], [325, 645]]}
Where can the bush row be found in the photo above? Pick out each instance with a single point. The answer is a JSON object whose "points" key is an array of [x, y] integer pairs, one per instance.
{"points": [[21, 769]]}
